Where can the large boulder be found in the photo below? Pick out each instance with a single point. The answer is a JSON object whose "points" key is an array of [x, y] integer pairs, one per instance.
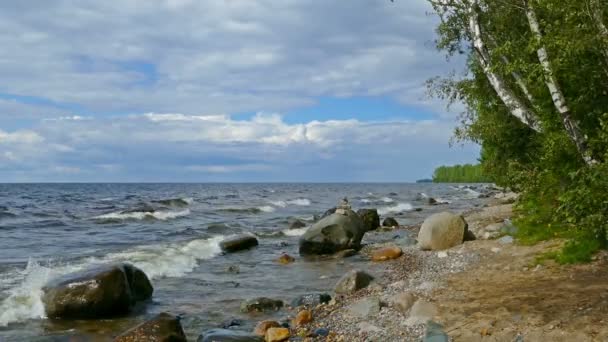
{"points": [[238, 243], [442, 231], [104, 291], [225, 335], [333, 233], [162, 328], [370, 218], [353, 281]]}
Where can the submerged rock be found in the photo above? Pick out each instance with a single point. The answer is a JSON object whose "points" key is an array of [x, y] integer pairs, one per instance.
{"points": [[261, 304], [285, 259], [162, 328], [104, 291], [442, 231], [224, 335], [311, 299], [390, 222], [295, 224], [333, 233], [370, 218], [238, 243], [353, 281], [434, 333]]}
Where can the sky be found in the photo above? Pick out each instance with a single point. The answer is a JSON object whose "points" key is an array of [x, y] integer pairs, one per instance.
{"points": [[222, 91]]}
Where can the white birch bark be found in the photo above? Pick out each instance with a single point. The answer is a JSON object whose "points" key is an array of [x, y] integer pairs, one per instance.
{"points": [[557, 95], [517, 107]]}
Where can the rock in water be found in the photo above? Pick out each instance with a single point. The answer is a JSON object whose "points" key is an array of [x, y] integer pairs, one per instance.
{"points": [[442, 231], [386, 253], [225, 335], [370, 218], [238, 243], [352, 282], [333, 233], [390, 222], [311, 299], [261, 304], [295, 224], [162, 328], [285, 259], [100, 292]]}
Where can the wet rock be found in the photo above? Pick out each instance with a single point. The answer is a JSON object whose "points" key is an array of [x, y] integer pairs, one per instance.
{"points": [[434, 333], [162, 328], [263, 326], [347, 253], [328, 212], [303, 317], [311, 299], [468, 235], [285, 259], [295, 224], [238, 243], [104, 291], [431, 201], [235, 322], [261, 304], [224, 335], [233, 269], [403, 301], [365, 308], [370, 218], [390, 222], [277, 334], [442, 231], [333, 233], [353, 281], [386, 253]]}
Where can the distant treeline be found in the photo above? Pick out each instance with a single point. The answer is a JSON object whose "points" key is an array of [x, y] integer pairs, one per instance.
{"points": [[466, 173]]}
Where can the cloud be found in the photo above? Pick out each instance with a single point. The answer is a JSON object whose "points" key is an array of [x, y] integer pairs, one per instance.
{"points": [[180, 147], [216, 56]]}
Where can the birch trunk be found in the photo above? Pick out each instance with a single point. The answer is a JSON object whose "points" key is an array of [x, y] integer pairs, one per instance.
{"points": [[516, 106], [557, 95]]}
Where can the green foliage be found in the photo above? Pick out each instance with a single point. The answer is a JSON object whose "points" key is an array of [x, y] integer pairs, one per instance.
{"points": [[466, 173], [562, 197]]}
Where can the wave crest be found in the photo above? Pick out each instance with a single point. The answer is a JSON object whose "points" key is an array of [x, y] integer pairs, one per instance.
{"points": [[142, 215], [399, 207]]}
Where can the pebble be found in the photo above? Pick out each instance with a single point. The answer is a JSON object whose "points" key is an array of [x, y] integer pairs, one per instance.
{"points": [[303, 317], [442, 254]]}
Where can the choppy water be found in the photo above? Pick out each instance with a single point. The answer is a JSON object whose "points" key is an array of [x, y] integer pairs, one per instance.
{"points": [[171, 231]]}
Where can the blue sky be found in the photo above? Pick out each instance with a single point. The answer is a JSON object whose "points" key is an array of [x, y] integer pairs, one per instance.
{"points": [[241, 90]]}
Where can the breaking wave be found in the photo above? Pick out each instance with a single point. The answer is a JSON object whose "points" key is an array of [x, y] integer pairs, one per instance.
{"points": [[399, 207], [142, 215], [24, 298]]}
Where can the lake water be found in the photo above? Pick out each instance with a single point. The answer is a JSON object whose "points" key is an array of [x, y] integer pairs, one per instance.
{"points": [[171, 231]]}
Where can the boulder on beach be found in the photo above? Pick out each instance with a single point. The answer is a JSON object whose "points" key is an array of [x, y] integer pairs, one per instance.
{"points": [[353, 281], [311, 299], [162, 328], [238, 243], [261, 304], [442, 231], [225, 335], [333, 233], [328, 212], [103, 291], [390, 222], [365, 308], [277, 335], [303, 317], [370, 218]]}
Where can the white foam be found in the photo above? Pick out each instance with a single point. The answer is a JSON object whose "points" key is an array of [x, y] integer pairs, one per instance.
{"points": [[399, 207], [365, 200], [141, 215], [295, 232], [300, 201], [281, 204], [387, 200], [267, 208], [24, 300]]}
